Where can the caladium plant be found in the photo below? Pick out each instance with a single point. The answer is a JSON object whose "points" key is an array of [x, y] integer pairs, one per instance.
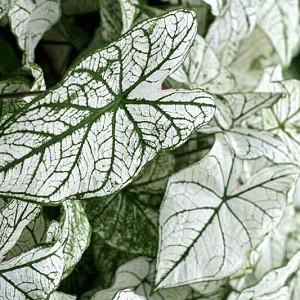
{"points": [[149, 150]]}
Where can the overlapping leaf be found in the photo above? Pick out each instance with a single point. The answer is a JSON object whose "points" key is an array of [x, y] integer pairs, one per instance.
{"points": [[237, 21], [137, 276], [94, 132], [274, 285], [34, 274], [233, 110], [30, 20], [132, 210], [127, 295], [279, 20], [210, 220], [203, 69]]}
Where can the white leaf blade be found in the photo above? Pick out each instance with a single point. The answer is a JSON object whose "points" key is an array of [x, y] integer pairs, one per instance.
{"points": [[202, 228], [30, 20], [14, 217], [134, 126]]}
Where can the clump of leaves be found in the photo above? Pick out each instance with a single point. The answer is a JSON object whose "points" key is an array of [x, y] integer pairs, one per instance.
{"points": [[149, 150]]}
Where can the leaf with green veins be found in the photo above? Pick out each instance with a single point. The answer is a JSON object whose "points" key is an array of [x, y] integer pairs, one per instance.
{"points": [[137, 276], [33, 235], [15, 215], [30, 20], [34, 274], [202, 69], [270, 254], [125, 223], [127, 220], [273, 285], [222, 219], [233, 110], [279, 20], [78, 236], [236, 22], [127, 294], [117, 17], [115, 116], [282, 118]]}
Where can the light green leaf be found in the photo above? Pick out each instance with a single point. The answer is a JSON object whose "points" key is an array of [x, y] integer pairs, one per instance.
{"points": [[78, 234], [202, 69], [273, 285], [222, 219], [137, 276], [92, 134], [30, 20], [236, 22], [127, 295], [279, 19]]}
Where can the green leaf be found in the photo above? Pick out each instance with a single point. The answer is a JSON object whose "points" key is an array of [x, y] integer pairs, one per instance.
{"points": [[30, 20], [222, 219], [92, 134], [131, 210], [203, 69]]}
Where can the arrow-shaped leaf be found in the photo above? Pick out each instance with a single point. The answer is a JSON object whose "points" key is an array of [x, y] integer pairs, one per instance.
{"points": [[94, 132]]}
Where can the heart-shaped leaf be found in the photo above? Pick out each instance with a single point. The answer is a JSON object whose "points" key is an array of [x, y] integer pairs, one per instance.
{"points": [[210, 219], [94, 132]]}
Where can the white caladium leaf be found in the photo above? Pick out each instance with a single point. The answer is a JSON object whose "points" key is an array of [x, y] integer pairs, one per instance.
{"points": [[34, 274], [137, 276], [279, 19], [216, 5], [237, 21], [283, 118], [203, 69], [15, 215], [127, 294], [30, 20], [129, 10], [92, 134], [233, 110], [78, 234], [222, 219], [274, 285], [250, 60]]}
